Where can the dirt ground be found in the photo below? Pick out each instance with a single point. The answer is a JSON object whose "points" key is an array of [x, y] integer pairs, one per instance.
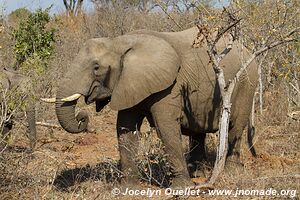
{"points": [[85, 166]]}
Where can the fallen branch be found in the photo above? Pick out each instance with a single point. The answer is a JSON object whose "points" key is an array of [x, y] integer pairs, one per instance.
{"points": [[46, 124], [53, 125]]}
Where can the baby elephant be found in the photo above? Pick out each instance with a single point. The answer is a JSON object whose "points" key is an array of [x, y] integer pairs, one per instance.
{"points": [[17, 84]]}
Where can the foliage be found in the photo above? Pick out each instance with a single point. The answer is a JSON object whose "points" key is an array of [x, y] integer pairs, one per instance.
{"points": [[262, 27], [18, 15], [33, 40]]}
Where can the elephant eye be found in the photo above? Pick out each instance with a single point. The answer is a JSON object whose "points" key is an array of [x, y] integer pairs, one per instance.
{"points": [[96, 66]]}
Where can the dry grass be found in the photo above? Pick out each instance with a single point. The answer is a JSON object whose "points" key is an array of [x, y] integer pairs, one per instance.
{"points": [[85, 166]]}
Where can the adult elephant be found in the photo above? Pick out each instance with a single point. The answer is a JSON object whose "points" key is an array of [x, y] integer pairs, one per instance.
{"points": [[17, 83], [159, 75]]}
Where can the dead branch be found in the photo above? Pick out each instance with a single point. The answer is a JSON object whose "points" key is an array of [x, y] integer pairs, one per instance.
{"points": [[46, 124], [73, 7], [221, 32], [53, 125]]}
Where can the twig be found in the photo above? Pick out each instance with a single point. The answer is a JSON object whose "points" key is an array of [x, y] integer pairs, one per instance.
{"points": [[223, 31], [159, 5], [296, 89]]}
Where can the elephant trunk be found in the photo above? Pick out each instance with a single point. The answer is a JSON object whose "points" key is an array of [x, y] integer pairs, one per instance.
{"points": [[65, 112]]}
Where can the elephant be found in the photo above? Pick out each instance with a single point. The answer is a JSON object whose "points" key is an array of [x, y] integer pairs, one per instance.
{"points": [[13, 81], [161, 76]]}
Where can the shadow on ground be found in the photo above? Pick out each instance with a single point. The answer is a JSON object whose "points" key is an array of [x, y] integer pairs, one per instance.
{"points": [[155, 173], [108, 171]]}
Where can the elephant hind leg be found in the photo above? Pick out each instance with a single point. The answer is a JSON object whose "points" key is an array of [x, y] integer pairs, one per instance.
{"points": [[233, 161], [250, 136], [197, 148], [128, 124], [241, 111], [196, 154]]}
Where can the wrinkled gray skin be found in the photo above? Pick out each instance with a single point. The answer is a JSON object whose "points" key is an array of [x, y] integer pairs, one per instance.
{"points": [[12, 80], [161, 77]]}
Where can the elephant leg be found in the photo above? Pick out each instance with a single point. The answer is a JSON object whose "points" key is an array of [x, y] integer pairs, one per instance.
{"points": [[197, 153], [167, 121], [30, 112], [128, 124], [197, 148], [7, 127], [233, 161], [239, 120]]}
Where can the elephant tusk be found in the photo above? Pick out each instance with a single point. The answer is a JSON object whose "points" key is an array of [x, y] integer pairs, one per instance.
{"points": [[48, 100], [71, 98]]}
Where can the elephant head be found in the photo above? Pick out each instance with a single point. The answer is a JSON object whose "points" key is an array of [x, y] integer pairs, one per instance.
{"points": [[123, 70], [17, 83]]}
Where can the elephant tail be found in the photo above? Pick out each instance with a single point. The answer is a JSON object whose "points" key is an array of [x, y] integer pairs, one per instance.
{"points": [[251, 133]]}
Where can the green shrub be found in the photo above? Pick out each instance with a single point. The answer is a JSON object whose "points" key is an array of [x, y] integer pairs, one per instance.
{"points": [[33, 40]]}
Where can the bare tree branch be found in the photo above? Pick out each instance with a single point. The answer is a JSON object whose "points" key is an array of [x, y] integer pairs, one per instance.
{"points": [[73, 7], [47, 124], [221, 32]]}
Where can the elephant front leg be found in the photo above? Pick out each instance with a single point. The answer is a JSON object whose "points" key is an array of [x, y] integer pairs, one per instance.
{"points": [[169, 131], [128, 125]]}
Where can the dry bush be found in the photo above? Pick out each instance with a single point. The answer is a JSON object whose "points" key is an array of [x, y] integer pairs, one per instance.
{"points": [[6, 50], [152, 161]]}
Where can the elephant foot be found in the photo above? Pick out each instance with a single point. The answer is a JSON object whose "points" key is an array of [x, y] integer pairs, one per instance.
{"points": [[181, 182], [195, 170], [233, 165]]}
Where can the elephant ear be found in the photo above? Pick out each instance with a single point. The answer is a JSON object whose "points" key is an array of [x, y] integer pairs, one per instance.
{"points": [[149, 65]]}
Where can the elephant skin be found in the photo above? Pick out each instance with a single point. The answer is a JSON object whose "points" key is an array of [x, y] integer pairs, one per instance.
{"points": [[12, 80], [161, 76]]}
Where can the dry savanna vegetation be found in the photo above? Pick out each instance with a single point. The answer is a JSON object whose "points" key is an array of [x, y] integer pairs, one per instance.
{"points": [[86, 165]]}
